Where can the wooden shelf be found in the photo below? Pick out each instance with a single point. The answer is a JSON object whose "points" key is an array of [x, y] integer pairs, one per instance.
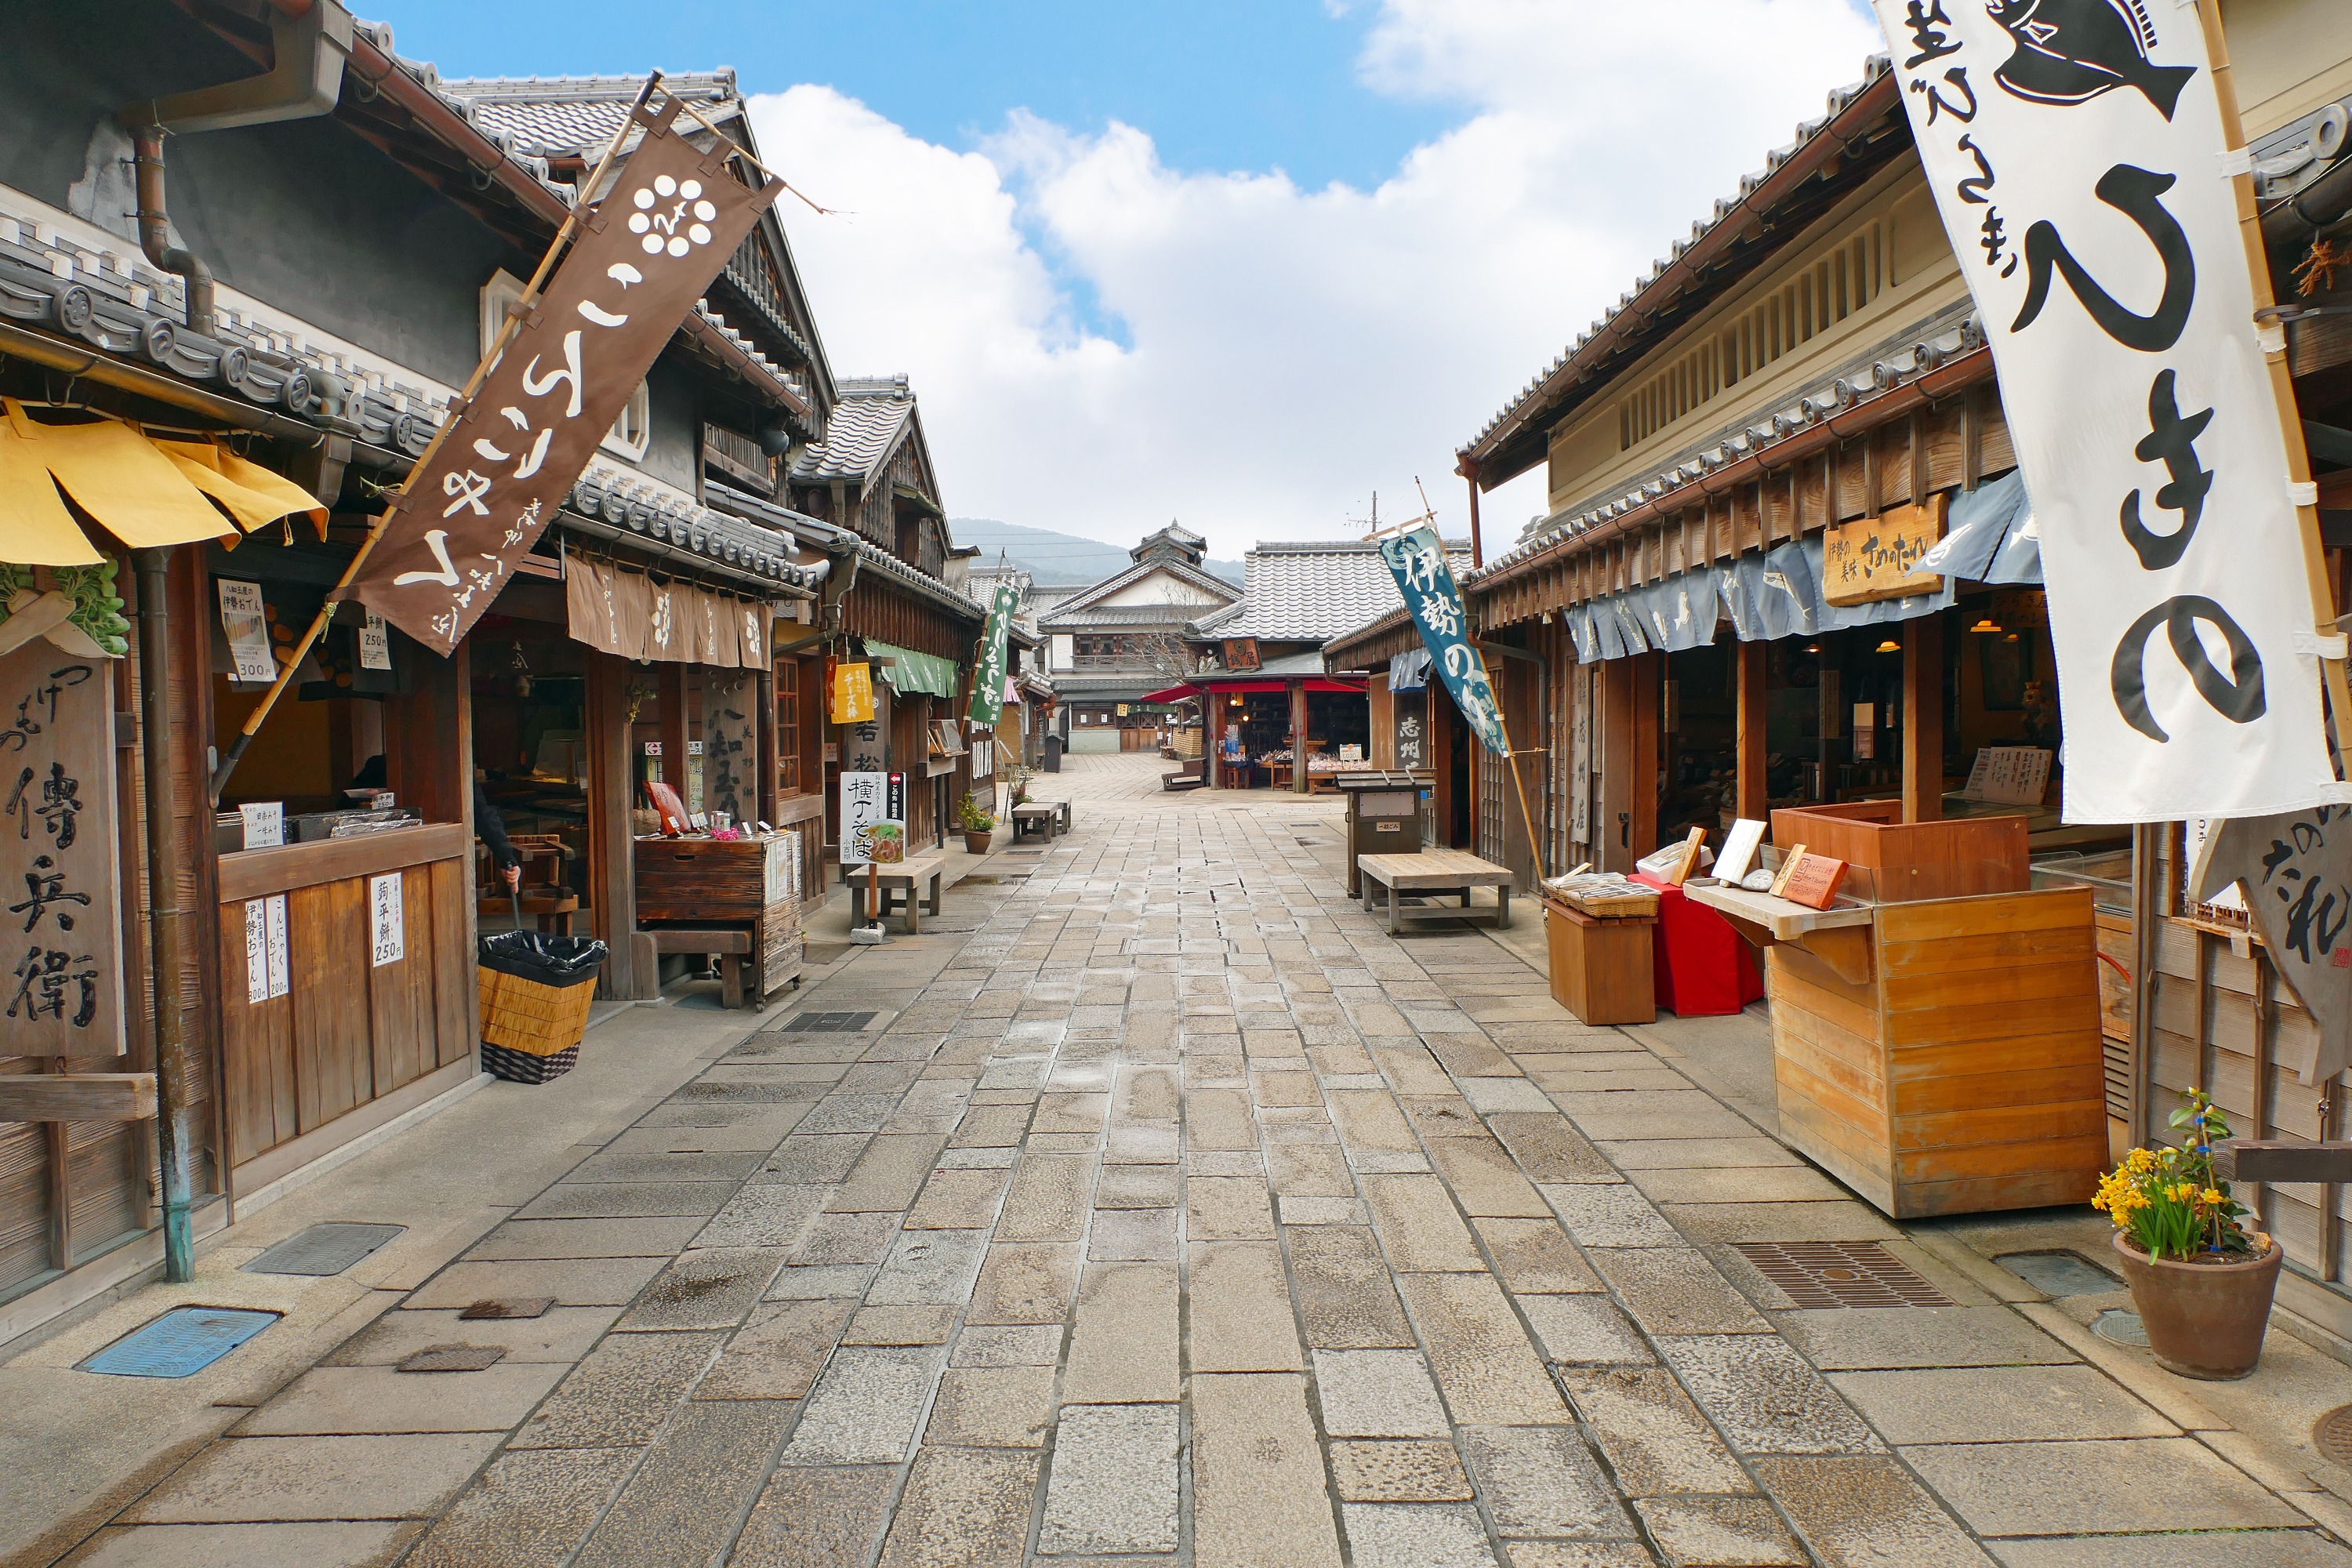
{"points": [[1783, 920]]}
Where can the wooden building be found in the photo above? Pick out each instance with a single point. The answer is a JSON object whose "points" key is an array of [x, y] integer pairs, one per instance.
{"points": [[1111, 644], [1679, 641]]}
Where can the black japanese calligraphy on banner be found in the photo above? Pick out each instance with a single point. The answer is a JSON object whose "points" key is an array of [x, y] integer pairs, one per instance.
{"points": [[60, 930], [2296, 868], [674, 215], [730, 746], [2075, 149], [1416, 559]]}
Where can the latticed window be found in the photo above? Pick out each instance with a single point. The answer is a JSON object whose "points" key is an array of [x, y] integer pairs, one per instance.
{"points": [[788, 727]]}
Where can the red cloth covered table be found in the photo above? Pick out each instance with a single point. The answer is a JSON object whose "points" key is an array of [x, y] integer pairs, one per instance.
{"points": [[1701, 965]]}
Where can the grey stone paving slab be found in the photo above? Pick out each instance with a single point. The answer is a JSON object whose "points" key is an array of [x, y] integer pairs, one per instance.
{"points": [[1675, 1291], [812, 1516], [834, 1239], [680, 1506], [1584, 1331], [1720, 1533], [573, 1282], [560, 1334], [611, 1165], [259, 1479], [1605, 1214], [777, 1352], [1485, 1367], [811, 1160], [906, 1325], [1866, 1511], [929, 1268], [336, 1399], [992, 1407], [627, 1200], [1418, 1225], [1259, 1494], [1996, 1404], [1113, 1482], [320, 1545], [1843, 1339], [1377, 1393], [1764, 1395], [1123, 1346], [1654, 1438], [525, 1239], [1415, 1470], [1580, 1555], [526, 1508], [2240, 1548], [1133, 1235], [2098, 1487], [963, 1507], [1541, 1481], [1025, 1282], [621, 1393], [764, 1215], [1395, 1535], [866, 1407], [1240, 1308], [713, 1288]]}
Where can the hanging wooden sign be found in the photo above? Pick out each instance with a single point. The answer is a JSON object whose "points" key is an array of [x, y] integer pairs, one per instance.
{"points": [[730, 747], [1871, 558], [61, 966]]}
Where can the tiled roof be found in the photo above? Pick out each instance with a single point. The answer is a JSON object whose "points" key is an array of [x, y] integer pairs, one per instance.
{"points": [[1311, 593], [1075, 606], [861, 433], [822, 534], [561, 116], [1598, 336], [1173, 616]]}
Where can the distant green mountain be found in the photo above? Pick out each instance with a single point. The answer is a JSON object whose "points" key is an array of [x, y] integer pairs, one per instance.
{"points": [[1053, 557]]}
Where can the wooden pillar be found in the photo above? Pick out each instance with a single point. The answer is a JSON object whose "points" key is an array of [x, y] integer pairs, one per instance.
{"points": [[1753, 656], [1298, 737], [1923, 718], [763, 702], [1438, 721], [669, 681], [1212, 736], [1642, 793], [612, 849]]}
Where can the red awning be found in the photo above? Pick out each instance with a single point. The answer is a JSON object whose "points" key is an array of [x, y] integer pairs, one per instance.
{"points": [[1252, 684]]}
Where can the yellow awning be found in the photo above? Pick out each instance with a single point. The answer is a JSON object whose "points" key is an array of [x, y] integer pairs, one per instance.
{"points": [[36, 529], [250, 493], [143, 492]]}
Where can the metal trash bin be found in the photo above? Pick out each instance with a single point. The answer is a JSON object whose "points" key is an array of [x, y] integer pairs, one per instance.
{"points": [[1383, 816], [1053, 753]]}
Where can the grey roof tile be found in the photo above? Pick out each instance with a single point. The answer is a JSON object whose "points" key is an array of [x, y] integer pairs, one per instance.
{"points": [[1313, 592], [860, 434]]}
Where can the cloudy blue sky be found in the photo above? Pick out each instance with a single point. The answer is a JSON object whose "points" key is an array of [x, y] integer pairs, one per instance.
{"points": [[1240, 262]]}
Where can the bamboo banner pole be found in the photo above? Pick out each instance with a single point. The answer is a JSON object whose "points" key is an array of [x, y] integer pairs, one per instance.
{"points": [[507, 331], [2266, 314]]}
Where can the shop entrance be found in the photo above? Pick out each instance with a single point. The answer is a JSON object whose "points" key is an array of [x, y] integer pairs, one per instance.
{"points": [[532, 763]]}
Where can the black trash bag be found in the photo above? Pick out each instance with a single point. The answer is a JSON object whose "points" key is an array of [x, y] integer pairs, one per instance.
{"points": [[558, 961]]}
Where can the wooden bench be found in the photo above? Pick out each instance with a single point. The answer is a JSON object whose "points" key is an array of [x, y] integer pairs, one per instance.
{"points": [[729, 945], [1050, 816], [1430, 874], [899, 890]]}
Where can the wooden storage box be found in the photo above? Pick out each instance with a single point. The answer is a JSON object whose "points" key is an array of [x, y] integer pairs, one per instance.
{"points": [[1600, 968], [1946, 1057], [705, 879], [1893, 861]]}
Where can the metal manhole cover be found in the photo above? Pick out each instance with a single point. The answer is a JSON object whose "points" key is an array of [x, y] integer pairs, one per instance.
{"points": [[1841, 1274], [323, 1249], [2332, 1436], [2117, 1326], [828, 1023], [182, 1343]]}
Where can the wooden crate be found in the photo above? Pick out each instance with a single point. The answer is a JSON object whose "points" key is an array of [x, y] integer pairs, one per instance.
{"points": [[782, 946], [1894, 862], [1954, 1065], [707, 880], [1600, 968]]}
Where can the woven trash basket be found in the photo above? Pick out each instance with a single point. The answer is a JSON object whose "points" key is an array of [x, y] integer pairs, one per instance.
{"points": [[535, 994]]}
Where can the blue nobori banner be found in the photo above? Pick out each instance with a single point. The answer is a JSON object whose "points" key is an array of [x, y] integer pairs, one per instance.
{"points": [[1417, 557]]}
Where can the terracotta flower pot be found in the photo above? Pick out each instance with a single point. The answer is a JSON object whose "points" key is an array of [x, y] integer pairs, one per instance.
{"points": [[2204, 1319], [977, 843]]}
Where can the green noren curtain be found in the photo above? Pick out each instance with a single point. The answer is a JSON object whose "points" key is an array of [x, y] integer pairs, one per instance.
{"points": [[912, 674]]}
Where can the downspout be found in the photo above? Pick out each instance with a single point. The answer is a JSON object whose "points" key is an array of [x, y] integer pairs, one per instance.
{"points": [[174, 1085], [313, 38]]}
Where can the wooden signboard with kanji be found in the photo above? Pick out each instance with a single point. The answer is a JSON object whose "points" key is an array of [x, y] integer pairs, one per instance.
{"points": [[1871, 558], [61, 964]]}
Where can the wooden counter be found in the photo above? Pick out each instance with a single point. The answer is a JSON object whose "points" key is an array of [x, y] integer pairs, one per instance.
{"points": [[1938, 1056], [346, 1041]]}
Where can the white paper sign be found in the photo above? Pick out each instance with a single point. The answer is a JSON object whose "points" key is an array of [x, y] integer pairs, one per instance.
{"points": [[375, 644], [2010, 775], [1739, 844], [2074, 150], [268, 975], [248, 625], [387, 924], [264, 823]]}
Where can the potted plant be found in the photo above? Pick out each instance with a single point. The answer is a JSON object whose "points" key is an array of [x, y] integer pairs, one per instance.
{"points": [[2201, 1280], [977, 822]]}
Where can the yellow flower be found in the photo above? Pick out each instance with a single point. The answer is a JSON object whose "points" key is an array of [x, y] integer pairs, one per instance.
{"points": [[2212, 1197]]}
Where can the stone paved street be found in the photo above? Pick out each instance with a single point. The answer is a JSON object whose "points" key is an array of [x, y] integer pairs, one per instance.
{"points": [[1161, 1207]]}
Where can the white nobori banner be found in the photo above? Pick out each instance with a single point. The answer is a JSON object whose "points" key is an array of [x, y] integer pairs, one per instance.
{"points": [[2078, 156]]}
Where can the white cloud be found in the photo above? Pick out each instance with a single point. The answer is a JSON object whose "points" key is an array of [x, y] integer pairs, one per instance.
{"points": [[1282, 351]]}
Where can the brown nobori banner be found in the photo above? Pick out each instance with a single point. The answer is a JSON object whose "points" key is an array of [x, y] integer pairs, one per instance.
{"points": [[673, 217]]}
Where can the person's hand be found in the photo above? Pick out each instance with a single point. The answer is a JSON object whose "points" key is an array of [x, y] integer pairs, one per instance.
{"points": [[513, 875]]}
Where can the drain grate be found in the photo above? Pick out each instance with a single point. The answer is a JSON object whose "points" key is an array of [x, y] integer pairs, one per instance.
{"points": [[2332, 1436], [828, 1023], [182, 1343], [323, 1249], [2118, 1326], [1841, 1274]]}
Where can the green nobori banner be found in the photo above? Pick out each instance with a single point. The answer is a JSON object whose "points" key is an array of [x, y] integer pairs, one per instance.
{"points": [[988, 661], [1417, 559]]}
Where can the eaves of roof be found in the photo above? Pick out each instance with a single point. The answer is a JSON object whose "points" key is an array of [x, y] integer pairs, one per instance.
{"points": [[826, 537], [1138, 573], [1830, 156], [1342, 652]]}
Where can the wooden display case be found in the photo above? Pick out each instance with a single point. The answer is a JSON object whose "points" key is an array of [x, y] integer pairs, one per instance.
{"points": [[754, 882], [1890, 861], [1600, 969], [1937, 1055]]}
